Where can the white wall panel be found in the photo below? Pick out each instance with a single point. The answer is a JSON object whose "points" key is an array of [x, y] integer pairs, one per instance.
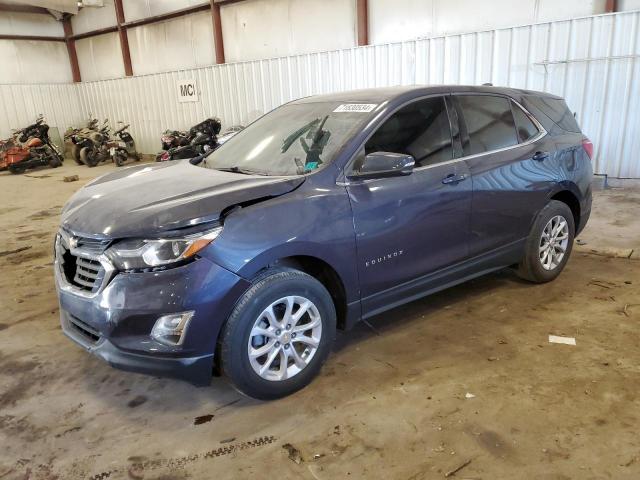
{"points": [[184, 42], [21, 104], [272, 28], [94, 18], [25, 61], [100, 57], [30, 24], [395, 20], [138, 9]]}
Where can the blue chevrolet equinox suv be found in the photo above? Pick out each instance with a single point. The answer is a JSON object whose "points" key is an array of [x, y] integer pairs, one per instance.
{"points": [[328, 210]]}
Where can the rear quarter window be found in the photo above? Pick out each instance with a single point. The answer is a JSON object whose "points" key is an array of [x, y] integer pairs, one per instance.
{"points": [[558, 111], [525, 128]]}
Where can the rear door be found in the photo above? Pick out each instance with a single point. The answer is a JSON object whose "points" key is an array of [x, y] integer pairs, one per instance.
{"points": [[408, 227], [499, 143]]}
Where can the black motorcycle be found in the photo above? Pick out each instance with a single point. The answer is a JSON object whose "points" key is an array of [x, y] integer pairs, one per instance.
{"points": [[122, 146], [202, 138]]}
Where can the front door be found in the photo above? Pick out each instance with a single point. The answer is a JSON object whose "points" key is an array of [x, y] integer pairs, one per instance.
{"points": [[409, 227]]}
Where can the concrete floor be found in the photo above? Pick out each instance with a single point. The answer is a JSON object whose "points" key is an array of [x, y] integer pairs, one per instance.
{"points": [[387, 405]]}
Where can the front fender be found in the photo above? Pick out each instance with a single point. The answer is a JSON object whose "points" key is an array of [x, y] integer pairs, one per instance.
{"points": [[308, 221]]}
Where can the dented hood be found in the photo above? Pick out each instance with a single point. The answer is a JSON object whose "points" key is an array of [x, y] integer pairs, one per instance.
{"points": [[148, 199]]}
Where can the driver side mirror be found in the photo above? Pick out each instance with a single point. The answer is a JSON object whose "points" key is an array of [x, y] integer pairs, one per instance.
{"points": [[384, 164]]}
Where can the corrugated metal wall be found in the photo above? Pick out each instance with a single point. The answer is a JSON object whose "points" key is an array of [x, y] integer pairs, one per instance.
{"points": [[593, 62], [21, 104]]}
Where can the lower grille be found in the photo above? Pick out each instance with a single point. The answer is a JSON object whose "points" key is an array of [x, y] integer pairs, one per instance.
{"points": [[90, 334]]}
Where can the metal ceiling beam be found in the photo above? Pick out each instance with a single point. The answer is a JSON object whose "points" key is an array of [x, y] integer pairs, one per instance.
{"points": [[32, 37], [124, 39], [93, 33], [218, 39], [362, 21], [71, 48]]}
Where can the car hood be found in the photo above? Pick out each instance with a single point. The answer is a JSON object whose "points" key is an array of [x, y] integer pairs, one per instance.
{"points": [[148, 199]]}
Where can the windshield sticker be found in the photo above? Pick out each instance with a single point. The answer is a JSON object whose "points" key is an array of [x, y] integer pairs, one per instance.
{"points": [[356, 107]]}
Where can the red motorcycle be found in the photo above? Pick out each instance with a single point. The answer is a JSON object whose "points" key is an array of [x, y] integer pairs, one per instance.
{"points": [[34, 150]]}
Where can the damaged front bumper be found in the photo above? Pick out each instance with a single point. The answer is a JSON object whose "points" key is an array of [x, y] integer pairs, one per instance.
{"points": [[115, 322]]}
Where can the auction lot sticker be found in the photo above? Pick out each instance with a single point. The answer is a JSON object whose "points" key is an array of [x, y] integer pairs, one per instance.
{"points": [[356, 107]]}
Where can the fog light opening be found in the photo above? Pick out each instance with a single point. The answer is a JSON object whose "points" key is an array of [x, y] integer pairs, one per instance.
{"points": [[171, 329]]}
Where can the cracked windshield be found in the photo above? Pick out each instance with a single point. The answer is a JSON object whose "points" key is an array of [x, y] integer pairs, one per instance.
{"points": [[294, 139]]}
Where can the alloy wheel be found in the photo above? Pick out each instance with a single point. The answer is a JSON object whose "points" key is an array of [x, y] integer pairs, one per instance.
{"points": [[284, 338], [553, 242]]}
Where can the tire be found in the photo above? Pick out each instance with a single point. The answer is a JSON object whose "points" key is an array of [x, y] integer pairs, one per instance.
{"points": [[535, 266], [120, 159], [88, 157], [17, 170], [75, 154], [267, 290]]}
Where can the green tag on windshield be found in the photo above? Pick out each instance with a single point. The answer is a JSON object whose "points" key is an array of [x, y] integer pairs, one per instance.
{"points": [[310, 166]]}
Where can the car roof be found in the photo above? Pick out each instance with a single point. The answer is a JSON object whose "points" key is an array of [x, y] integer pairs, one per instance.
{"points": [[382, 94]]}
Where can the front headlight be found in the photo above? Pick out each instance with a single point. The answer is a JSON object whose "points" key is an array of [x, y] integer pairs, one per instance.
{"points": [[143, 254]]}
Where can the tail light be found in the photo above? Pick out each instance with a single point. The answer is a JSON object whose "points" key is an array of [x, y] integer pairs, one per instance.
{"points": [[588, 147]]}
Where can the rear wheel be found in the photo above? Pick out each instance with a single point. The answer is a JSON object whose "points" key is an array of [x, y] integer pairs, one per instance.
{"points": [[279, 334], [549, 243]]}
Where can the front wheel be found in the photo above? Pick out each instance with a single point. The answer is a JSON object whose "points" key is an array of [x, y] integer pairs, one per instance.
{"points": [[549, 244], [89, 156], [279, 334]]}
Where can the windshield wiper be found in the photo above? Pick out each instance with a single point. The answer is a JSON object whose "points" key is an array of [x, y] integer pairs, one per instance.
{"points": [[290, 140], [244, 171]]}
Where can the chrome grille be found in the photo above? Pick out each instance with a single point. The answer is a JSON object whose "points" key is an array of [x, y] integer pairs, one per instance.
{"points": [[87, 272], [81, 262]]}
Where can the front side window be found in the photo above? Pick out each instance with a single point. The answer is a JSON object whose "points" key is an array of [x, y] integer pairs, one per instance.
{"points": [[420, 129], [524, 126], [489, 123], [295, 139]]}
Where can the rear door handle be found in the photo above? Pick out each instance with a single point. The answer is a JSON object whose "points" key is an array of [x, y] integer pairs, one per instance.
{"points": [[453, 179], [540, 156]]}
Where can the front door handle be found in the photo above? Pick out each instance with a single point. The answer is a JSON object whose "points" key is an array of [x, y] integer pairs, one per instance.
{"points": [[540, 156], [453, 179]]}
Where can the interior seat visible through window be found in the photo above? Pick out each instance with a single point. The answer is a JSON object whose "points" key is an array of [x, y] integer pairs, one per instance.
{"points": [[420, 129]]}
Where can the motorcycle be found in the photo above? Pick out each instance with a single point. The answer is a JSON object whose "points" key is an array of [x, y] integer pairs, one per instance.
{"points": [[94, 147], [5, 145], [173, 138], [35, 149], [201, 138], [122, 146], [77, 135]]}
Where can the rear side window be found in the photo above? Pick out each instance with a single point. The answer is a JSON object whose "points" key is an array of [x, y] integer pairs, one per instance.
{"points": [[489, 123], [524, 126], [556, 109], [420, 129]]}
